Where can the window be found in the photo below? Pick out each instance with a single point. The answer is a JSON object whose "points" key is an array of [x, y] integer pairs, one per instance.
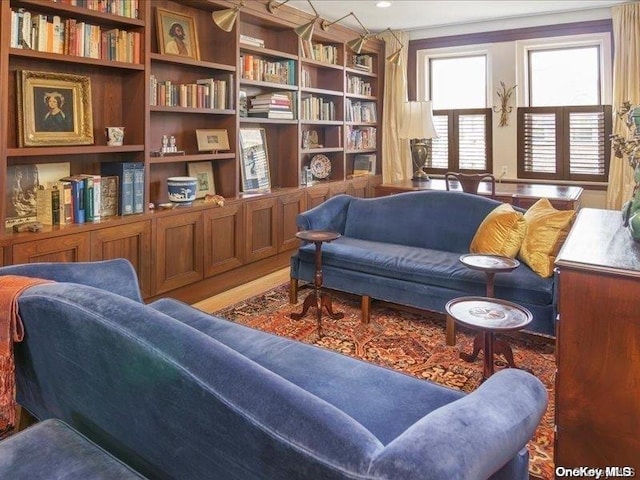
{"points": [[458, 90], [564, 133]]}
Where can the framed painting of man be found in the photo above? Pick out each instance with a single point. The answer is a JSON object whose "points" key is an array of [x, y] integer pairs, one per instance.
{"points": [[54, 109], [176, 34]]}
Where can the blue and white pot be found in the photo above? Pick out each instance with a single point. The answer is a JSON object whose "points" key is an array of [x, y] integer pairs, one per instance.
{"points": [[182, 190]]}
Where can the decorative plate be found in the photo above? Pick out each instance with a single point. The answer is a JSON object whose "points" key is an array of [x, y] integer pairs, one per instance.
{"points": [[320, 166]]}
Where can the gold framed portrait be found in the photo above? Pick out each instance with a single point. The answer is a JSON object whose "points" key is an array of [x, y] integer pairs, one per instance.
{"points": [[177, 34], [54, 109]]}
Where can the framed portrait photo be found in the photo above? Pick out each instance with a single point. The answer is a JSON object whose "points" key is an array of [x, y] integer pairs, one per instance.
{"points": [[212, 140], [203, 172], [54, 109], [254, 160], [177, 34]]}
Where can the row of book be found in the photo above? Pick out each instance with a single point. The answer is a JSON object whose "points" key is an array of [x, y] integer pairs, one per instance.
{"points": [[320, 52], [358, 86], [317, 108], [256, 68], [52, 34], [81, 198], [124, 8], [357, 111], [360, 138], [204, 93], [272, 105]]}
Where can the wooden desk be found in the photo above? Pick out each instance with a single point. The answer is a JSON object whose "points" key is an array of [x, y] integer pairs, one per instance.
{"points": [[519, 194]]}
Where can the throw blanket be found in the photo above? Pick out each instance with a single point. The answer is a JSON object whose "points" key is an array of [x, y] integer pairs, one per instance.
{"points": [[11, 330]]}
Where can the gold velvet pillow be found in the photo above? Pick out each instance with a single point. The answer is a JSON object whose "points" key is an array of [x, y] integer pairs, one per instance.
{"points": [[500, 233], [547, 229]]}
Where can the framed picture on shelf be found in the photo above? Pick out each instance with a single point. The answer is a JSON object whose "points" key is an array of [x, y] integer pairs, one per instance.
{"points": [[212, 140], [254, 160], [203, 172], [54, 109], [177, 34]]}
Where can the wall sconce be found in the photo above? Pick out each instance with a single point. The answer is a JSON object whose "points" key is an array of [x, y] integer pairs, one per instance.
{"points": [[356, 44], [225, 19], [305, 31], [394, 58]]}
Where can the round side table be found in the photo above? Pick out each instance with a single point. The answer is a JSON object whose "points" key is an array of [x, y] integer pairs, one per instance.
{"points": [[318, 298], [490, 265], [490, 316]]}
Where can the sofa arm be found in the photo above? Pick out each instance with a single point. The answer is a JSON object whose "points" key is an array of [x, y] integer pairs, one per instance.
{"points": [[470, 438], [117, 276], [330, 215]]}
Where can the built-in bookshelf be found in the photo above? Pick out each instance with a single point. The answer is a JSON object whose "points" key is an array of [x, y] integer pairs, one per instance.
{"points": [[129, 82]]}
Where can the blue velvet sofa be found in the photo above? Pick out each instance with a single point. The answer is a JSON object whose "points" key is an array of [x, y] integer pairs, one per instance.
{"points": [[176, 393], [405, 249]]}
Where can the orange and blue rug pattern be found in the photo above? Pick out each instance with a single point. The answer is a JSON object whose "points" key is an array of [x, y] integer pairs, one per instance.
{"points": [[408, 342]]}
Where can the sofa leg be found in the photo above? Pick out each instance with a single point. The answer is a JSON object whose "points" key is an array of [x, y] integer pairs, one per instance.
{"points": [[366, 309], [293, 290], [451, 331]]}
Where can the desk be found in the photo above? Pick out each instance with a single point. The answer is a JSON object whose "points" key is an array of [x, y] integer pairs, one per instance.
{"points": [[519, 194]]}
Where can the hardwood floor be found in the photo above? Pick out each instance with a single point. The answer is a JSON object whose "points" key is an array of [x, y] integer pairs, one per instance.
{"points": [[243, 292]]}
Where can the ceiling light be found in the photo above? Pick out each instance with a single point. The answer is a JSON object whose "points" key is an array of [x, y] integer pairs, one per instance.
{"points": [[383, 4]]}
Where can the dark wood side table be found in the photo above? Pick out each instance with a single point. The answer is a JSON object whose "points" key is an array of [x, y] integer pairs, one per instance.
{"points": [[490, 316], [318, 298], [490, 265]]}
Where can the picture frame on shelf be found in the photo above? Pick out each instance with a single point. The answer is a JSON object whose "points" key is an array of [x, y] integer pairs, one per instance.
{"points": [[212, 140], [254, 160], [203, 172], [54, 109], [177, 34]]}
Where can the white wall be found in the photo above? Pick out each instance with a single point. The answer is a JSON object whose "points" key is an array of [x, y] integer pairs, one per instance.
{"points": [[503, 57]]}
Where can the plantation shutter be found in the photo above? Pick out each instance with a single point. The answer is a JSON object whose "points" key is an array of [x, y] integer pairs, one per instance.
{"points": [[440, 145], [586, 143], [464, 140], [472, 145], [564, 143]]}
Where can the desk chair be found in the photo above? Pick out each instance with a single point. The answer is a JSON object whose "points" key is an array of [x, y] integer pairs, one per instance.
{"points": [[471, 181]]}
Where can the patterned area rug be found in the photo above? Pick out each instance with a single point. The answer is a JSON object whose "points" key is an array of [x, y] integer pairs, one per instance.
{"points": [[404, 341]]}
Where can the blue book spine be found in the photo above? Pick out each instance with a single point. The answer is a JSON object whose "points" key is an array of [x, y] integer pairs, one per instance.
{"points": [[77, 189], [138, 187]]}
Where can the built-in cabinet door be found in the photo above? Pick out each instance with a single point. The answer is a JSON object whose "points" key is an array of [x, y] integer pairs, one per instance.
{"points": [[131, 241], [291, 204], [223, 239], [261, 234], [66, 248], [316, 195], [179, 251], [358, 187]]}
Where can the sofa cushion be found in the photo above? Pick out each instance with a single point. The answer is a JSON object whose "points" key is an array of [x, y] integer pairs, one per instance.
{"points": [[429, 267], [500, 233], [547, 229]]}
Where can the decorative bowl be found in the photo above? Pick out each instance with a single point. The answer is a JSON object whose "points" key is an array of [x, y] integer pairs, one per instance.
{"points": [[182, 190]]}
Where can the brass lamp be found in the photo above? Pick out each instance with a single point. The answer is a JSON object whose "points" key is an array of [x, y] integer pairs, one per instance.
{"points": [[305, 31], [394, 58], [417, 125], [225, 19], [356, 44]]}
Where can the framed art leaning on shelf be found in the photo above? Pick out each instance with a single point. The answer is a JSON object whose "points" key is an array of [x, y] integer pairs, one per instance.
{"points": [[177, 34], [254, 160], [54, 109]]}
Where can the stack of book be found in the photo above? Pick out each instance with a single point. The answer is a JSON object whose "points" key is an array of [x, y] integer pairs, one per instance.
{"points": [[253, 41], [272, 105], [130, 186]]}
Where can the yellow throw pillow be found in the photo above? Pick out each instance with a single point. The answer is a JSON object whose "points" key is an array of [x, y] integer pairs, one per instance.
{"points": [[547, 229], [500, 233]]}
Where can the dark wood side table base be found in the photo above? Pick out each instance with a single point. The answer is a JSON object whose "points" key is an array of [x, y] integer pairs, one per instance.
{"points": [[317, 298], [487, 342]]}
